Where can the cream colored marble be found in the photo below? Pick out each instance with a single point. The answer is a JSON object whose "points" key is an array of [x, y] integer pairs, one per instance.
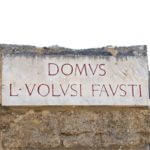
{"points": [[76, 80]]}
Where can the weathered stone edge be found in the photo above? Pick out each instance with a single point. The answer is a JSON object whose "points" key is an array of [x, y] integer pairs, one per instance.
{"points": [[139, 50]]}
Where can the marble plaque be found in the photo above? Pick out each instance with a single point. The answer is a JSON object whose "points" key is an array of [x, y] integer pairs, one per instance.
{"points": [[74, 79]]}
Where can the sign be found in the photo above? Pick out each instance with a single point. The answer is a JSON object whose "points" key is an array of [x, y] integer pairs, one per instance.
{"points": [[74, 80]]}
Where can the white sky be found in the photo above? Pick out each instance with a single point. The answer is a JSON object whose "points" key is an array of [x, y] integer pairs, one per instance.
{"points": [[75, 23]]}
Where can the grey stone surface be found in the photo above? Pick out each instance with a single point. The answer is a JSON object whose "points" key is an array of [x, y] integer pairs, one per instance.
{"points": [[140, 50]]}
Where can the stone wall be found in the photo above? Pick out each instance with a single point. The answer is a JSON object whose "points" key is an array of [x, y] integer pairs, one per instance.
{"points": [[73, 127]]}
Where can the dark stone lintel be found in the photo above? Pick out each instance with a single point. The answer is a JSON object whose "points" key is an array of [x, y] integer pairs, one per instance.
{"points": [[8, 49]]}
